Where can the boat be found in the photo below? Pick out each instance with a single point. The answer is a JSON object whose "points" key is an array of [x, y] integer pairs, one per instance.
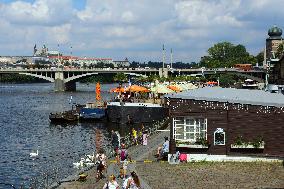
{"points": [[250, 84], [66, 116], [129, 112], [92, 111]]}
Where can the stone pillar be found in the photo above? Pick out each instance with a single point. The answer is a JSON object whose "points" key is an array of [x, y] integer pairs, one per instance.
{"points": [[59, 81]]}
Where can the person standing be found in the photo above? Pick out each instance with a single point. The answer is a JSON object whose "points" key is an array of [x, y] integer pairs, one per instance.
{"points": [[134, 135], [132, 182], [111, 184], [101, 163], [145, 138], [114, 140], [123, 154]]}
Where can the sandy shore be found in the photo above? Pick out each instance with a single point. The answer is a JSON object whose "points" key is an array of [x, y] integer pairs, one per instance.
{"points": [[161, 175]]}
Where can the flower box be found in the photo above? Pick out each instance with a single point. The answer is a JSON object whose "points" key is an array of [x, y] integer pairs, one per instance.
{"points": [[247, 146], [191, 145]]}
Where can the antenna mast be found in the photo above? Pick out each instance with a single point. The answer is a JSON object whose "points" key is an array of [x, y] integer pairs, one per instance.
{"points": [[163, 57], [171, 58]]}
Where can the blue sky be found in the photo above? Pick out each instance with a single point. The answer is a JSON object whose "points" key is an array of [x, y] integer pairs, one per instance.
{"points": [[135, 29]]}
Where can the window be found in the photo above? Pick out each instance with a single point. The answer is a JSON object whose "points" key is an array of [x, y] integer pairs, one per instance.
{"points": [[219, 137], [189, 128]]}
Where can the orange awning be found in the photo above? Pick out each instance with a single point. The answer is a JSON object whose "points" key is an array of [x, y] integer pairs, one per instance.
{"points": [[137, 88]]}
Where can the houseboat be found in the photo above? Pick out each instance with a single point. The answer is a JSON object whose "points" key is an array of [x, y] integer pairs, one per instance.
{"points": [[130, 112], [93, 111], [227, 121]]}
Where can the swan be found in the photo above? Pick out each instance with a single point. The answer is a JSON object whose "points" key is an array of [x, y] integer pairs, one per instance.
{"points": [[79, 164], [90, 157], [89, 163], [33, 154]]}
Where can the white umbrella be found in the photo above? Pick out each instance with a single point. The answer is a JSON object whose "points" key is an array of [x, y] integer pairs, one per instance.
{"points": [[161, 89]]}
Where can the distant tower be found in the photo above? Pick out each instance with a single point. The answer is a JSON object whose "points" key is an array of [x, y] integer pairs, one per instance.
{"points": [[273, 42], [35, 50], [274, 74]]}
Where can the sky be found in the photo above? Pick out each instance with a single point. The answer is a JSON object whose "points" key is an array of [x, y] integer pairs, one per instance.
{"points": [[136, 29]]}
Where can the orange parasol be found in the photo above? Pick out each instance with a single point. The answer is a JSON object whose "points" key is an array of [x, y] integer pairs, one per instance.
{"points": [[174, 88], [137, 88], [212, 83], [118, 90], [98, 91]]}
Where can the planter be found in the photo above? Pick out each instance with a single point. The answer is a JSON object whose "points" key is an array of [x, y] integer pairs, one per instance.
{"points": [[191, 146], [248, 146]]}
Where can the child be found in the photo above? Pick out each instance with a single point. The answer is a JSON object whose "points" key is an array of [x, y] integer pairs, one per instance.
{"points": [[123, 169]]}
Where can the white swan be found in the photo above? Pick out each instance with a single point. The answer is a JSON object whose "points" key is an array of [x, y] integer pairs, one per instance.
{"points": [[33, 154], [90, 158], [89, 164], [80, 163]]}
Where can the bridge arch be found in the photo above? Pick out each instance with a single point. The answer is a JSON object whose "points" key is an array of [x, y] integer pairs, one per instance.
{"points": [[50, 79], [76, 77]]}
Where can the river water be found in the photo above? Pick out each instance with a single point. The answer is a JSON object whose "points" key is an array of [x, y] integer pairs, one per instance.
{"points": [[25, 128]]}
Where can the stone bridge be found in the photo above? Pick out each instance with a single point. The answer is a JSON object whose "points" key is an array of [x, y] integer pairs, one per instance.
{"points": [[65, 79]]}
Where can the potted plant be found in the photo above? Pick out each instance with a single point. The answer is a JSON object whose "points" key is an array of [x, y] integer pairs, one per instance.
{"points": [[257, 143]]}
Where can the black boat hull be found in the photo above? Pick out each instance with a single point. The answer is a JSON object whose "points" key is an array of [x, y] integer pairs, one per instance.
{"points": [[135, 114]]}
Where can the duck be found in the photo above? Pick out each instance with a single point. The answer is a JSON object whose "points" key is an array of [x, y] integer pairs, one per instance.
{"points": [[33, 154]]}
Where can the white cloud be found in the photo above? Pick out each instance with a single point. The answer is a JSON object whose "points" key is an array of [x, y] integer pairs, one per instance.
{"points": [[41, 12], [136, 28]]}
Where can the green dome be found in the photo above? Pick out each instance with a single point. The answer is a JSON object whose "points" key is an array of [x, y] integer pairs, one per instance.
{"points": [[275, 32]]}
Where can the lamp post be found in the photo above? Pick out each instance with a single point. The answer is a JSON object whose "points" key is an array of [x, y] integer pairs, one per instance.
{"points": [[58, 56], [163, 59]]}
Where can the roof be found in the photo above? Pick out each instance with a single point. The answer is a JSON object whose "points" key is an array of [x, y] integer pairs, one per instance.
{"points": [[231, 95]]}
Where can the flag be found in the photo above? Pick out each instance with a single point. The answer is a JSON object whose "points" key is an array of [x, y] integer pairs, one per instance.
{"points": [[98, 91]]}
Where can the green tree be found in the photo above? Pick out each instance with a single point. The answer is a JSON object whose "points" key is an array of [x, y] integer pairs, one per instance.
{"points": [[225, 54], [260, 58], [120, 77]]}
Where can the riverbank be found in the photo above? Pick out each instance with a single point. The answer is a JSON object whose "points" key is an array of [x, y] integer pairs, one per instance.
{"points": [[161, 175]]}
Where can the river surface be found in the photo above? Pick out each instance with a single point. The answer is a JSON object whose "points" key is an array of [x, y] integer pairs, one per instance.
{"points": [[25, 128]]}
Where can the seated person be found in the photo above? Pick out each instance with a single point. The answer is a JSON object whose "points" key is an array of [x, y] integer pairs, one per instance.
{"points": [[164, 149]]}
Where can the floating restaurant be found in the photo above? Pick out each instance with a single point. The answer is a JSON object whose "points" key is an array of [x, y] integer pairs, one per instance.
{"points": [[227, 121]]}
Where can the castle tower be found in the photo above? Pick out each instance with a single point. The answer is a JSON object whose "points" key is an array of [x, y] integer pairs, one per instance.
{"points": [[273, 41]]}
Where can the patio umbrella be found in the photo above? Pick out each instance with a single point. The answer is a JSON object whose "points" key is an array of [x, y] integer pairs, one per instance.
{"points": [[161, 89], [175, 88], [118, 90], [211, 83], [137, 88], [190, 86]]}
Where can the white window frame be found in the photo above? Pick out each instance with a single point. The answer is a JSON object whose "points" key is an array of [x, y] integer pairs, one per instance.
{"points": [[196, 131], [220, 130]]}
